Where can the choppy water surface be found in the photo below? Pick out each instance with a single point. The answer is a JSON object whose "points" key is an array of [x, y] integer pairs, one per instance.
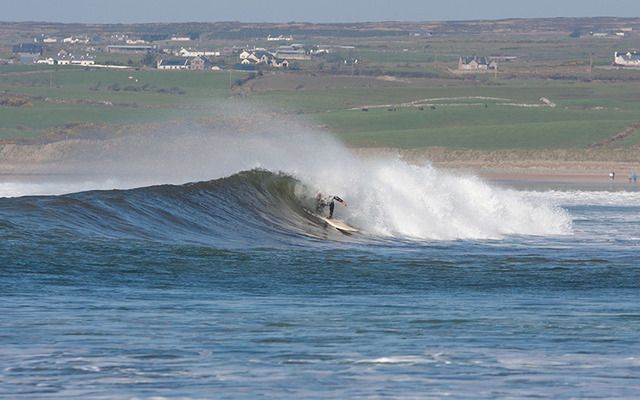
{"points": [[229, 289]]}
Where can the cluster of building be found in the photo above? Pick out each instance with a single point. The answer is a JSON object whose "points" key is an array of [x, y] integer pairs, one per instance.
{"points": [[619, 33], [279, 57], [66, 58], [198, 63], [279, 38], [177, 55], [475, 63], [626, 59], [42, 39], [262, 57]]}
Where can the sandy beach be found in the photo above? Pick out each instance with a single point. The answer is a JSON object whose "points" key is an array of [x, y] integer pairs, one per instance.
{"points": [[592, 167], [581, 166]]}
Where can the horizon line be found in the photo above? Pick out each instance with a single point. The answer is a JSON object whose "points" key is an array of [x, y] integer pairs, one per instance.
{"points": [[316, 23]]}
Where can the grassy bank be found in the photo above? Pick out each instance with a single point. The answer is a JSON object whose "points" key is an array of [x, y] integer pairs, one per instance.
{"points": [[483, 114], [57, 97], [475, 115]]}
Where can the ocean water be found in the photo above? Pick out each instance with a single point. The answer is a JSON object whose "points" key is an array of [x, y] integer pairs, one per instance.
{"points": [[189, 292], [228, 288]]}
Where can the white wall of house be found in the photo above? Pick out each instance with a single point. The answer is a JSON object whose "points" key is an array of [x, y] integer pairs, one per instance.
{"points": [[48, 61], [627, 59]]}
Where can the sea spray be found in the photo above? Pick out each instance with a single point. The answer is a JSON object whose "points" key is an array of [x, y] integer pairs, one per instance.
{"points": [[387, 196]]}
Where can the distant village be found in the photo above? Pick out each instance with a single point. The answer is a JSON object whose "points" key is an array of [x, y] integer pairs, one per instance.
{"points": [[174, 53], [179, 52]]}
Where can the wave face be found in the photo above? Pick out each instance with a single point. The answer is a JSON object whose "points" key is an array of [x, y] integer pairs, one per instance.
{"points": [[289, 164], [263, 209], [251, 208]]}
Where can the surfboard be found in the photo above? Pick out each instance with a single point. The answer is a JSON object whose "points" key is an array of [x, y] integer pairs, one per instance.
{"points": [[339, 225], [336, 223]]}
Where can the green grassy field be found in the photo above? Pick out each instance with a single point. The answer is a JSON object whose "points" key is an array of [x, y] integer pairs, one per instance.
{"points": [[473, 115], [484, 113], [475, 128], [59, 96]]}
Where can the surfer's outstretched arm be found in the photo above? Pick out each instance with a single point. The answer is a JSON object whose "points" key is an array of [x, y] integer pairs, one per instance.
{"points": [[339, 200]]}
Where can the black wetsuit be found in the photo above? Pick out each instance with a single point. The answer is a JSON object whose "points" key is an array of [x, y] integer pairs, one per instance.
{"points": [[321, 203]]}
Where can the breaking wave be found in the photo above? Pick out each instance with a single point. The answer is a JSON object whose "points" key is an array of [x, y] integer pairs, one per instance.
{"points": [[253, 188]]}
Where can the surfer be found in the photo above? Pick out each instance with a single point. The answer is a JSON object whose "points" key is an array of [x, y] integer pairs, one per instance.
{"points": [[322, 202]]}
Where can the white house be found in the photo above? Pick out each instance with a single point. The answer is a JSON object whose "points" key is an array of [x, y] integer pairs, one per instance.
{"points": [[279, 38], [180, 39], [197, 64], [70, 59], [627, 59], [256, 57], [83, 62], [473, 63], [75, 40], [48, 61], [173, 64], [280, 63]]}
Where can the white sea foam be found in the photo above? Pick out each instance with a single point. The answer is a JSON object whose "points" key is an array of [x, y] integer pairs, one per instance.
{"points": [[586, 198], [386, 196]]}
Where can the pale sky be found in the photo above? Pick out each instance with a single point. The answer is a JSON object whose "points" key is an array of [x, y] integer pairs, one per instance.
{"points": [[127, 11]]}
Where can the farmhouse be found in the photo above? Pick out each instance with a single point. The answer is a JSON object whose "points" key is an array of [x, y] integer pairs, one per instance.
{"points": [[256, 57], [245, 54], [197, 64], [280, 63], [47, 61], [70, 59], [75, 40], [173, 64], [85, 62], [626, 59], [474, 63], [279, 38]]}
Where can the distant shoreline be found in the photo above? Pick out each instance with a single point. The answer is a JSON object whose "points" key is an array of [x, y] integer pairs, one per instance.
{"points": [[578, 166], [588, 166]]}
